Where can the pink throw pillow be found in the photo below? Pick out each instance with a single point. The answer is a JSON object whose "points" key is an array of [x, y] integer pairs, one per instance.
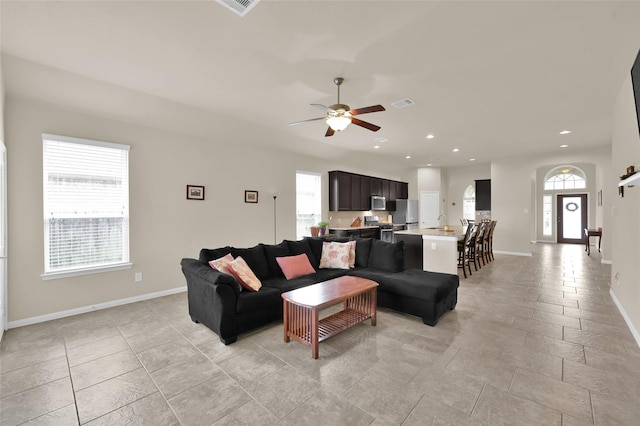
{"points": [[221, 263], [335, 255], [295, 266], [245, 276]]}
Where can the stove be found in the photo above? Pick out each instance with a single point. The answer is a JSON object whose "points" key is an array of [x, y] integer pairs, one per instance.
{"points": [[386, 229]]}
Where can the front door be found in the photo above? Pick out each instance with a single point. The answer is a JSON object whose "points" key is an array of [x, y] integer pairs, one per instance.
{"points": [[572, 218]]}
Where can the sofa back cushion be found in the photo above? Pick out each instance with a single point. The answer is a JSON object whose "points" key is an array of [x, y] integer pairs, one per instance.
{"points": [[255, 258], [207, 255], [386, 256], [302, 246], [272, 252], [363, 251]]}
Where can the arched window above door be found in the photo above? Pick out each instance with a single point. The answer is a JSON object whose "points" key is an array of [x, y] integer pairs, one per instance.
{"points": [[565, 177]]}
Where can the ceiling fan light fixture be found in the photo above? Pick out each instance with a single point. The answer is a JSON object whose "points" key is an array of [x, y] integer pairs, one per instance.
{"points": [[339, 122]]}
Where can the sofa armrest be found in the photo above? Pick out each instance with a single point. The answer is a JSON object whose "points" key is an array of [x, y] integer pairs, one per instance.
{"points": [[213, 298]]}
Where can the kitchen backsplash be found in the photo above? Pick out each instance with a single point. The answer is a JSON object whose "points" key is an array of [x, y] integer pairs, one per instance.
{"points": [[345, 219]]}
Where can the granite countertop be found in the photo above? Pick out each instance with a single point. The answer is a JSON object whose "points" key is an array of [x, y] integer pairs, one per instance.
{"points": [[456, 232], [347, 228]]}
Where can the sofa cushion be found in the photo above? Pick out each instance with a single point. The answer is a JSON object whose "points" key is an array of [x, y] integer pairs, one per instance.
{"points": [[295, 266], [387, 256], [413, 283], [243, 273], [271, 252], [302, 246], [363, 250], [315, 243], [210, 254], [283, 285], [254, 301], [255, 258], [335, 255]]}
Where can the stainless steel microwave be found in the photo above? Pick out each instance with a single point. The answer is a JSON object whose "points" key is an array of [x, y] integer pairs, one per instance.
{"points": [[378, 203]]}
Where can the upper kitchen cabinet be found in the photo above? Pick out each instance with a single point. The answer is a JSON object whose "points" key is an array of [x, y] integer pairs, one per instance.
{"points": [[352, 192], [375, 186], [483, 194]]}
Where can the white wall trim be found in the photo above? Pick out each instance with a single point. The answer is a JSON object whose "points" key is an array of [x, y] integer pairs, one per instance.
{"points": [[91, 308], [635, 333], [513, 253]]}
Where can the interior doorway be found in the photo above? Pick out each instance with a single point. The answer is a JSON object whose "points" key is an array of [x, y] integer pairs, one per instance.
{"points": [[572, 218]]}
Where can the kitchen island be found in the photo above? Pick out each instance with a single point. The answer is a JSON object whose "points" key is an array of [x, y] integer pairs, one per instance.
{"points": [[432, 249]]}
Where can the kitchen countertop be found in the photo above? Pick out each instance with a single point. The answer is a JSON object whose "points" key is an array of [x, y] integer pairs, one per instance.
{"points": [[347, 228], [456, 232]]}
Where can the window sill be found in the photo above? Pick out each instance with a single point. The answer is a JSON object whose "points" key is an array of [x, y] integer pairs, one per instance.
{"points": [[85, 271]]}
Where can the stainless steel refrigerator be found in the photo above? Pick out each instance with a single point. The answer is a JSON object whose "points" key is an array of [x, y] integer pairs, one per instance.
{"points": [[406, 213]]}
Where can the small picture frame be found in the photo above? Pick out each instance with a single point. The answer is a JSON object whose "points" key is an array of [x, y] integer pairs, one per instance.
{"points": [[250, 196], [195, 192]]}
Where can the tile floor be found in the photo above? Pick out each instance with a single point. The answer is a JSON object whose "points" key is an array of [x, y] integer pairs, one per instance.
{"points": [[532, 341]]}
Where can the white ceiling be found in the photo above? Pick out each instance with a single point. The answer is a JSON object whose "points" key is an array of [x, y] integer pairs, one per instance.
{"points": [[493, 79]]}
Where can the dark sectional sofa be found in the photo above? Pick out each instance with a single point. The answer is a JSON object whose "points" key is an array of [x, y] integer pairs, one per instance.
{"points": [[216, 300]]}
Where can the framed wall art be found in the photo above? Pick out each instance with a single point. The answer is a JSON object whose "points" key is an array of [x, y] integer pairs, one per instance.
{"points": [[250, 196], [195, 192]]}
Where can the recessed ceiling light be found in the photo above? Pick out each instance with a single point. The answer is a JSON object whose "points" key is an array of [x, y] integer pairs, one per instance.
{"points": [[456, 150], [429, 164], [472, 159], [564, 146], [565, 132], [407, 157], [376, 147], [430, 136]]}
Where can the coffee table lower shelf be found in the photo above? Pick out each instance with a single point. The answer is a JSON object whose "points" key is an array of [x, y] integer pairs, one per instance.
{"points": [[330, 326]]}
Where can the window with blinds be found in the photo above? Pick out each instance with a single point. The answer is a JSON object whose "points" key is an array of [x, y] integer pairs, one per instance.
{"points": [[86, 206]]}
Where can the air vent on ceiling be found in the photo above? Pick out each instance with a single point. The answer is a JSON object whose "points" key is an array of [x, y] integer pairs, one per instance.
{"points": [[241, 7], [403, 103]]}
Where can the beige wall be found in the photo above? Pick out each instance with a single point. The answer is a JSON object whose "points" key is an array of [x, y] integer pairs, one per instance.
{"points": [[164, 225], [625, 229]]}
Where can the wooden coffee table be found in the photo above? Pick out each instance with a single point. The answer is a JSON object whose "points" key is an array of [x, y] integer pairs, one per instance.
{"points": [[301, 308]]}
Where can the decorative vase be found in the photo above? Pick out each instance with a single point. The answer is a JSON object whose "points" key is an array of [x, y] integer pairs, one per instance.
{"points": [[314, 231], [323, 230]]}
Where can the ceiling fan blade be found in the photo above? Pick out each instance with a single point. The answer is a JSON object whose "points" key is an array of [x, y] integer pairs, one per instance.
{"points": [[320, 106], [365, 110], [295, 123], [330, 132], [364, 124]]}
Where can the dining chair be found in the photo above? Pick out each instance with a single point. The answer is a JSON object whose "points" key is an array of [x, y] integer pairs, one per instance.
{"points": [[493, 227], [463, 249]]}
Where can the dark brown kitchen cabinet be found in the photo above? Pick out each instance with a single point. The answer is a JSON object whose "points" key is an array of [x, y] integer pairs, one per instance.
{"points": [[483, 194], [352, 192], [339, 191], [385, 189], [359, 232], [375, 186], [404, 191]]}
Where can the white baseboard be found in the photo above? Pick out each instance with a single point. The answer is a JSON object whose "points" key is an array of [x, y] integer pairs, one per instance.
{"points": [[91, 308], [514, 253], [634, 331]]}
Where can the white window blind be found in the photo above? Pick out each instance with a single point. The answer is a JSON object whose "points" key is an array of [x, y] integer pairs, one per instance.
{"points": [[86, 205]]}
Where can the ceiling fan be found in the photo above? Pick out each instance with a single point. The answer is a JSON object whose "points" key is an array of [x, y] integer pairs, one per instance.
{"points": [[339, 116]]}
